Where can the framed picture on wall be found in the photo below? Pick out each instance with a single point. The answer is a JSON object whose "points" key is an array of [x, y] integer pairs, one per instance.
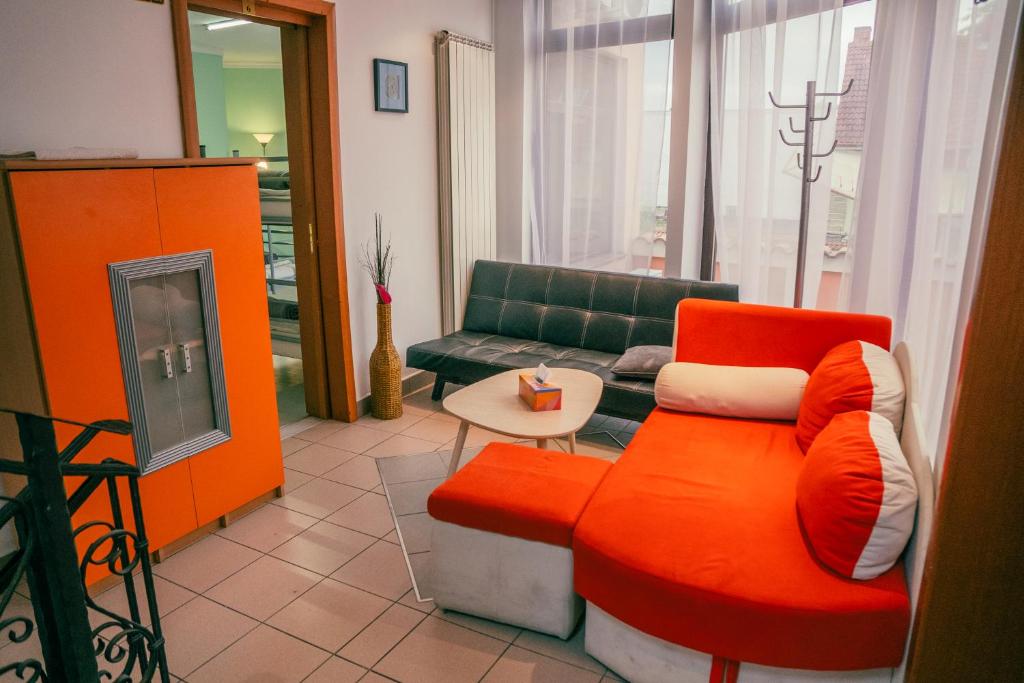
{"points": [[390, 86]]}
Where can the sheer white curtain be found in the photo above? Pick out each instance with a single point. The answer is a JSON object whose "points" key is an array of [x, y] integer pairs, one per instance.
{"points": [[776, 46], [939, 77], [597, 108]]}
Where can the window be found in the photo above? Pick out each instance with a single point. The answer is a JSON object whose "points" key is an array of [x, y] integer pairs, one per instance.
{"points": [[599, 147], [756, 177]]}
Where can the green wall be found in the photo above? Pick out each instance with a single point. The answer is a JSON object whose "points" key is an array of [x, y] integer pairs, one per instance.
{"points": [[208, 71], [255, 104]]}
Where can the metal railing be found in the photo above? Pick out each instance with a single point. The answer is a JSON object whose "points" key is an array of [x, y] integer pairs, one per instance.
{"points": [[79, 640]]}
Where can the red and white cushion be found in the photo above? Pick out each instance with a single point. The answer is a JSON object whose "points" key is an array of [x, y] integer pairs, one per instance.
{"points": [[856, 495], [855, 375]]}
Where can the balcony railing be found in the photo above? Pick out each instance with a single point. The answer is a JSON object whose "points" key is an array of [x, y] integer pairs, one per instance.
{"points": [[79, 640]]}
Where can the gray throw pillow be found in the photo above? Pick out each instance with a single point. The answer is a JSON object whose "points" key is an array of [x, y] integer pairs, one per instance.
{"points": [[642, 362]]}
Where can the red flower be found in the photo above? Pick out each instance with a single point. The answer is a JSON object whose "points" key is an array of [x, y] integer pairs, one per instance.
{"points": [[383, 294]]}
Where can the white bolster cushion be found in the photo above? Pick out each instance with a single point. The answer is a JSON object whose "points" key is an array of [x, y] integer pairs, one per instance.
{"points": [[731, 390]]}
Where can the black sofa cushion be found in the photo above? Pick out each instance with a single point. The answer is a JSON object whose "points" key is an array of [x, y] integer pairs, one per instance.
{"points": [[520, 315], [589, 309], [467, 357]]}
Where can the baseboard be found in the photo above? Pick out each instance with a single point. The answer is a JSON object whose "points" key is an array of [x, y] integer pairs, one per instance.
{"points": [[410, 385]]}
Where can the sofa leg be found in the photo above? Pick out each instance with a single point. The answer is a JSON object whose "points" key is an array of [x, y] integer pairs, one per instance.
{"points": [[438, 391]]}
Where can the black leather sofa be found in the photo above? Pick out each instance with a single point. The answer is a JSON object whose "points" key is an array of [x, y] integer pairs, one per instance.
{"points": [[518, 316]]}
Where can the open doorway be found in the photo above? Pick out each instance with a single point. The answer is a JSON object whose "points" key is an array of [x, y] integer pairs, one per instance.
{"points": [[260, 81], [240, 111]]}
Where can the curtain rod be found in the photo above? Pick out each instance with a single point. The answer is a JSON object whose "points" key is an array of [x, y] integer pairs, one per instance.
{"points": [[447, 36]]}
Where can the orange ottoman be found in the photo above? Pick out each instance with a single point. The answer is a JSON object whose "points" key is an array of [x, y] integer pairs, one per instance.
{"points": [[502, 535]]}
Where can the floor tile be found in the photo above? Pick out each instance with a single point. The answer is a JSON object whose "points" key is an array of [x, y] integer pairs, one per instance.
{"points": [[441, 652], [400, 424], [412, 468], [205, 563], [262, 588], [263, 654], [322, 430], [324, 547], [421, 401], [198, 630], [569, 651], [293, 428], [519, 665], [317, 458], [416, 532], [329, 614], [392, 537], [383, 634], [380, 569], [169, 597], [293, 479], [411, 497], [409, 600], [289, 446], [438, 428], [360, 472], [268, 527], [487, 627], [372, 677], [368, 514], [356, 438], [318, 498], [336, 670], [420, 563], [400, 444]]}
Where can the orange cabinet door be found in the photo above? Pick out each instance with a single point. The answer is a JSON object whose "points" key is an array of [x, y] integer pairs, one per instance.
{"points": [[71, 225], [218, 209]]}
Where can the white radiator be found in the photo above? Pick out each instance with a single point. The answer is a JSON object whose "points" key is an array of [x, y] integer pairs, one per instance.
{"points": [[465, 151]]}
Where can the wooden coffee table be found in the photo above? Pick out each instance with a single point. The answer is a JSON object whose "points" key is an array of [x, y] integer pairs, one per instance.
{"points": [[494, 404]]}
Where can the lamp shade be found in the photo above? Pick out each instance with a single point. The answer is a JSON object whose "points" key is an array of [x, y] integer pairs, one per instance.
{"points": [[263, 138]]}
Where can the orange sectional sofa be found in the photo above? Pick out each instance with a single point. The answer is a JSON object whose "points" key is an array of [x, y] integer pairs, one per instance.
{"points": [[690, 554], [693, 537]]}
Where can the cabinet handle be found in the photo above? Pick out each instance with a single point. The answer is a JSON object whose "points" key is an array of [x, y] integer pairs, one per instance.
{"points": [[186, 356], [165, 356]]}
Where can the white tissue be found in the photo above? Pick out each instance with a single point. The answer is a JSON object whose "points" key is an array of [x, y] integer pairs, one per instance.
{"points": [[542, 373]]}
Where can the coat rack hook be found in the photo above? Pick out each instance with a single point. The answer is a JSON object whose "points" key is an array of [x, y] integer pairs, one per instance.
{"points": [[836, 94], [793, 128], [817, 174], [799, 164], [831, 149], [783, 106], [828, 112], [787, 142]]}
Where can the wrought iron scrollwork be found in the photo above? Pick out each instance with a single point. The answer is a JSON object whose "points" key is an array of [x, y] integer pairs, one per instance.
{"points": [[121, 648]]}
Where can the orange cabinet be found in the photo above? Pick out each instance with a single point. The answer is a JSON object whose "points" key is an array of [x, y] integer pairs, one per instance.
{"points": [[67, 227]]}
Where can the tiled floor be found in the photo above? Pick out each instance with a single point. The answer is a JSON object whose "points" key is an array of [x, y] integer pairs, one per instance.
{"points": [[313, 586]]}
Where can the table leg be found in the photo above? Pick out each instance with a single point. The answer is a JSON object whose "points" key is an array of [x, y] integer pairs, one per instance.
{"points": [[460, 441], [572, 442], [542, 443]]}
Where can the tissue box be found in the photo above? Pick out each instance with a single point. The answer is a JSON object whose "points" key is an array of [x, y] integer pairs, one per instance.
{"points": [[539, 396]]}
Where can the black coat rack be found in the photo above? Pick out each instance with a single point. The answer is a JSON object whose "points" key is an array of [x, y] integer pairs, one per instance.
{"points": [[805, 167]]}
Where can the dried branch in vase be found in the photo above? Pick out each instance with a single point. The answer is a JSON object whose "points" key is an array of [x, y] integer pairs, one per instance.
{"points": [[378, 260]]}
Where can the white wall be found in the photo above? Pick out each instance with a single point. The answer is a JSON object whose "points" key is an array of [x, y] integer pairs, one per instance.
{"points": [[389, 161], [93, 73]]}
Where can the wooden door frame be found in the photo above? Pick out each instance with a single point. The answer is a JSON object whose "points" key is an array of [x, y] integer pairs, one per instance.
{"points": [[969, 622], [311, 94]]}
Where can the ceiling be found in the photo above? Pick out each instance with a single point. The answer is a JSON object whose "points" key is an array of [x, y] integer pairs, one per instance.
{"points": [[248, 46]]}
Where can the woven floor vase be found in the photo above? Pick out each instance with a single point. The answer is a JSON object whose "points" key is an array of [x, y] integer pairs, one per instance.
{"points": [[385, 370]]}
